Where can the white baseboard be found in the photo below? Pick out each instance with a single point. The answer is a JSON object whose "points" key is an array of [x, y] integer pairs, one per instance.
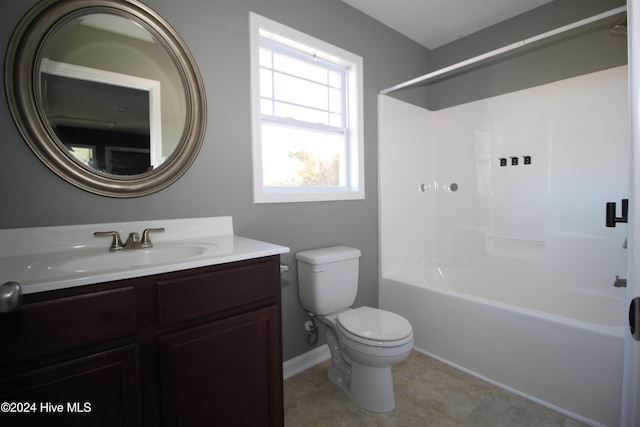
{"points": [[305, 361]]}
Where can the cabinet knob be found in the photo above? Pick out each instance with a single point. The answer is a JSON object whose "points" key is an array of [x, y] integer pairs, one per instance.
{"points": [[10, 297]]}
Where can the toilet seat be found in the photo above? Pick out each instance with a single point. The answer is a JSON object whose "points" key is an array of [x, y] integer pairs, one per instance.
{"points": [[374, 327]]}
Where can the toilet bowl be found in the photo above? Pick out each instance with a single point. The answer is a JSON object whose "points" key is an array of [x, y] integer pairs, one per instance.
{"points": [[374, 337], [364, 342]]}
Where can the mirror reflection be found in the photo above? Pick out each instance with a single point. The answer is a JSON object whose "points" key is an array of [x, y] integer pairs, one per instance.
{"points": [[112, 94]]}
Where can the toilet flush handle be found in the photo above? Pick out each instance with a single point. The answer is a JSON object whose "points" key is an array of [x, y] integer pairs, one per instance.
{"points": [[318, 270]]}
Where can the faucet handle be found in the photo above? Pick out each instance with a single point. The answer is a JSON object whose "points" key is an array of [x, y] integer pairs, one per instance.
{"points": [[116, 243], [146, 241]]}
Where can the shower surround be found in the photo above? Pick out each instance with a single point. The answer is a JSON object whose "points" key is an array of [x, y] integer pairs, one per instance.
{"points": [[493, 237]]}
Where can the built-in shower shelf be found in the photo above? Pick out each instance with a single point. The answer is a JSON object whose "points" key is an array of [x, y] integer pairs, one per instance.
{"points": [[515, 247]]}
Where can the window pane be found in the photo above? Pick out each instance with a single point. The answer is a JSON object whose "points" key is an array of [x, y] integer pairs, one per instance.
{"points": [[289, 65], [265, 58], [335, 79], [301, 113], [84, 154], [335, 120], [266, 88], [335, 101], [266, 107], [301, 92], [301, 158]]}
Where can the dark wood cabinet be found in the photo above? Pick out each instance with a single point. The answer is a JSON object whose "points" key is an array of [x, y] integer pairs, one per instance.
{"points": [[98, 390], [199, 347], [211, 372]]}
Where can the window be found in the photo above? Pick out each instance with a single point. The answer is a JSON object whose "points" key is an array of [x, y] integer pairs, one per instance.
{"points": [[307, 117]]}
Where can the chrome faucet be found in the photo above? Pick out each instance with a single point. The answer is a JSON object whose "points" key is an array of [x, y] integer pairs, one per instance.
{"points": [[620, 282], [133, 241]]}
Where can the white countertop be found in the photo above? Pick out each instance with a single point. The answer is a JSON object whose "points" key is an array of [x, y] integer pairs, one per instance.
{"points": [[32, 256]]}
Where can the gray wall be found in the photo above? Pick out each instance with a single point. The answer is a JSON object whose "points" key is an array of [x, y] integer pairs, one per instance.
{"points": [[219, 182], [587, 49]]}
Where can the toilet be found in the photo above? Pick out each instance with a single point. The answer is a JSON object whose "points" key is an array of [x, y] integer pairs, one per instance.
{"points": [[364, 342]]}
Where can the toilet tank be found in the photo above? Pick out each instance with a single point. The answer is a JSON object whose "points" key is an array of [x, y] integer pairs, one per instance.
{"points": [[328, 278]]}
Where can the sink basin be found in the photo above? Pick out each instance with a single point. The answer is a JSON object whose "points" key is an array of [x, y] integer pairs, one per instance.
{"points": [[79, 263]]}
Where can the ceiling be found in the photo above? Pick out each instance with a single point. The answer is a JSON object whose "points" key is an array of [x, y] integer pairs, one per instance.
{"points": [[434, 23]]}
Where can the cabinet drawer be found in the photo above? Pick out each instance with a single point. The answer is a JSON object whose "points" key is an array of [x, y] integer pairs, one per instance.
{"points": [[198, 295], [61, 324]]}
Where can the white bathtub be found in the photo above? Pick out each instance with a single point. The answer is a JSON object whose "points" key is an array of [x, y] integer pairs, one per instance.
{"points": [[547, 341]]}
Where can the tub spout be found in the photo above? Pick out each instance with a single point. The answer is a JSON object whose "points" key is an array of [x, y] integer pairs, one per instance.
{"points": [[620, 282]]}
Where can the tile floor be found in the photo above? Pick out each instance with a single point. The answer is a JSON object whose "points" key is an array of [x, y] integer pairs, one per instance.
{"points": [[428, 393]]}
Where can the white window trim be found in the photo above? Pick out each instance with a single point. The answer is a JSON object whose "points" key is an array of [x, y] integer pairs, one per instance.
{"points": [[355, 188]]}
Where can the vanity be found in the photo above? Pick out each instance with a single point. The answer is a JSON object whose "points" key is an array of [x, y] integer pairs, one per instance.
{"points": [[187, 332]]}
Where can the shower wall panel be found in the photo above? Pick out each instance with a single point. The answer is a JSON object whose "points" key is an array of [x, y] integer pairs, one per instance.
{"points": [[575, 134], [407, 182]]}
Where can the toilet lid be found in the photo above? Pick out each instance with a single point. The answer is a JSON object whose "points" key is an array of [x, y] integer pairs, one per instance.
{"points": [[372, 324]]}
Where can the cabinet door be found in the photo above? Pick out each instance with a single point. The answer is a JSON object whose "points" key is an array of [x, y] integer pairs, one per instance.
{"points": [[225, 373], [98, 390]]}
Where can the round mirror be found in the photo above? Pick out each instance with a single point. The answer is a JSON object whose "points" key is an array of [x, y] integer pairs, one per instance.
{"points": [[106, 94]]}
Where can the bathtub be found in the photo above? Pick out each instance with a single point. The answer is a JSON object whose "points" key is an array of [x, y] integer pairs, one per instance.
{"points": [[555, 344]]}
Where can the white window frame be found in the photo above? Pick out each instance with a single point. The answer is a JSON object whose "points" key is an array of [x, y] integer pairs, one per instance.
{"points": [[354, 187]]}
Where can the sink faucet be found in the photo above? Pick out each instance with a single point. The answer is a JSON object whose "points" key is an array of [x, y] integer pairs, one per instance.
{"points": [[133, 241], [620, 282]]}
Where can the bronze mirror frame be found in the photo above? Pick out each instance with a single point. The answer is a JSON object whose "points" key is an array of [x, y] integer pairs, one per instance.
{"points": [[22, 81]]}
